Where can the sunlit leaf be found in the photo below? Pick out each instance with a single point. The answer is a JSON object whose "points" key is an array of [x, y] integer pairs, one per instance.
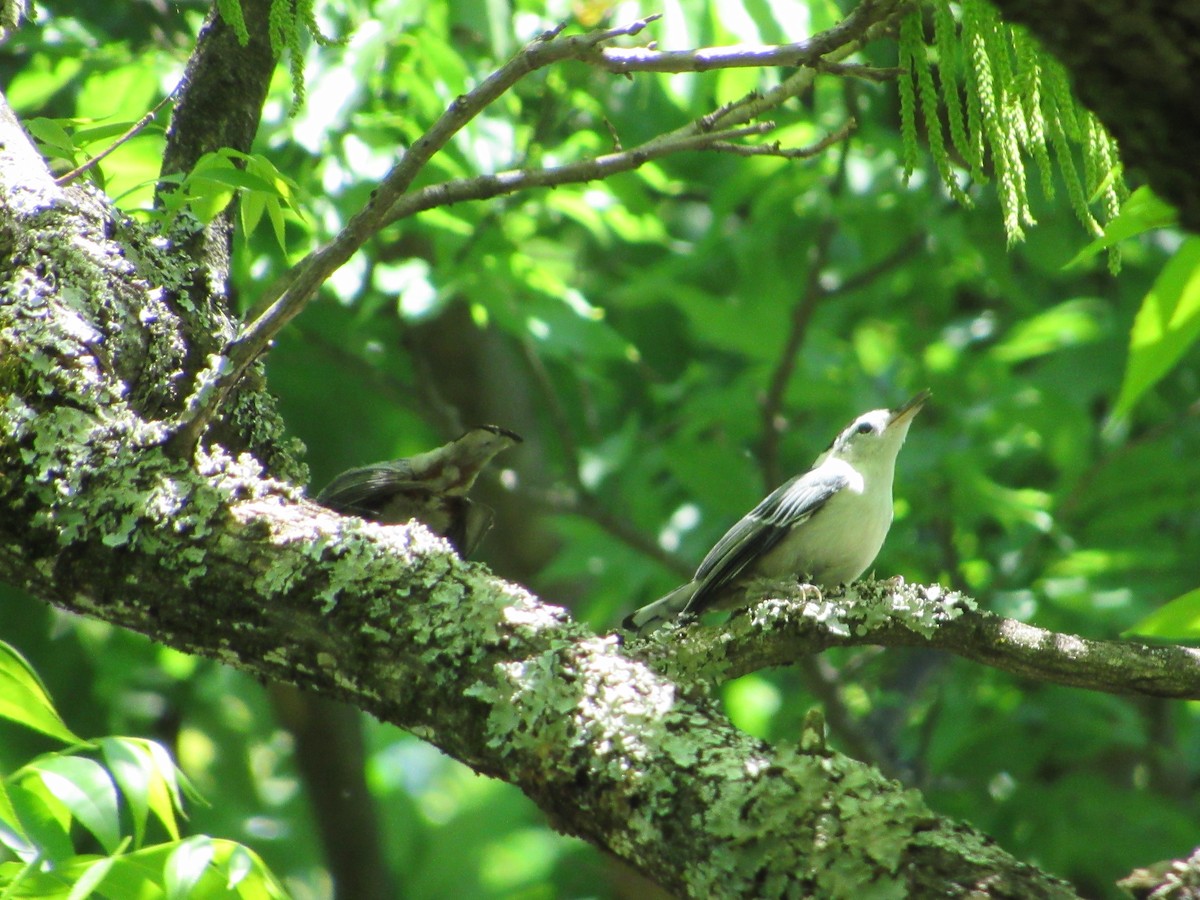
{"points": [[44, 819], [53, 138], [1178, 620], [1068, 324], [12, 835], [24, 699], [86, 789], [1142, 212], [186, 866], [1166, 326], [132, 769], [91, 877]]}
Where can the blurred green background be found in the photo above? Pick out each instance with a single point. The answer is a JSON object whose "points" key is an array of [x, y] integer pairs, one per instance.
{"points": [[631, 330]]}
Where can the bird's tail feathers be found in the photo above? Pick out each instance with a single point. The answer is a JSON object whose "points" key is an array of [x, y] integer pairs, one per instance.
{"points": [[661, 610]]}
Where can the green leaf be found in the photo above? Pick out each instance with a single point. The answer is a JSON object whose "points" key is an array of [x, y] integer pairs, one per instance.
{"points": [[230, 177], [43, 819], [91, 877], [12, 834], [1178, 620], [52, 137], [96, 133], [1068, 324], [86, 789], [24, 699], [1167, 324], [1142, 212], [186, 866], [132, 768], [251, 211], [246, 872], [21, 880]]}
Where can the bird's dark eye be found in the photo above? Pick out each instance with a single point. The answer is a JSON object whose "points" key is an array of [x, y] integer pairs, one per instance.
{"points": [[863, 428]]}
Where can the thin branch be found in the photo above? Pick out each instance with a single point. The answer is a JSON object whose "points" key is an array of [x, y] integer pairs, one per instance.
{"points": [[624, 61], [864, 277], [854, 70], [133, 131], [558, 413], [867, 22], [392, 389], [776, 632], [484, 187], [587, 506], [302, 282], [311, 272], [776, 149]]}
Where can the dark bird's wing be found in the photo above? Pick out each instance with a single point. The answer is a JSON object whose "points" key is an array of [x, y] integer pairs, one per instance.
{"points": [[430, 487], [367, 490], [759, 531]]}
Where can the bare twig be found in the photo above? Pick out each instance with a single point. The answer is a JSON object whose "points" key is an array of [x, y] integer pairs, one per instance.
{"points": [[587, 506], [484, 187], [775, 149], [864, 277], [133, 131], [853, 70], [581, 501], [623, 61]]}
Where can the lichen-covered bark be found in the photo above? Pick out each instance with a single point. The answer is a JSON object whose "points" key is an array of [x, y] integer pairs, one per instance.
{"points": [[212, 556], [1136, 64]]}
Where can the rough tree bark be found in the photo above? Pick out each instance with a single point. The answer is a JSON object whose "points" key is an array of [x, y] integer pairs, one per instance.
{"points": [[218, 559], [102, 337]]}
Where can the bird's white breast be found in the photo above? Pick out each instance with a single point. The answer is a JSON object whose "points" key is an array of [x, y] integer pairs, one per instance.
{"points": [[842, 538]]}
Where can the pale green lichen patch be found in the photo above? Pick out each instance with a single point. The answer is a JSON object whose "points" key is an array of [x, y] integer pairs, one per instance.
{"points": [[918, 608], [828, 613], [581, 695], [861, 607], [844, 832]]}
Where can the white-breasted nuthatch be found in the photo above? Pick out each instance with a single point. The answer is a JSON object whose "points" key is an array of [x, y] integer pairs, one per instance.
{"points": [[823, 527], [430, 487]]}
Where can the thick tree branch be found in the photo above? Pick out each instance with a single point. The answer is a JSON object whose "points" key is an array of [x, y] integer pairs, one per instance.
{"points": [[218, 560], [778, 631]]}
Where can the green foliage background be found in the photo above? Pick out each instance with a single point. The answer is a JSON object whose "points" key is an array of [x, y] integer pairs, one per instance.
{"points": [[631, 329]]}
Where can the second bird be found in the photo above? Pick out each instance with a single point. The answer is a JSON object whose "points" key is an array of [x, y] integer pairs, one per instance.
{"points": [[431, 487], [823, 527]]}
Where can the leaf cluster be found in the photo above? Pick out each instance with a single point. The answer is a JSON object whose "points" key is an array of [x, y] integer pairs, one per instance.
{"points": [[112, 802], [1004, 101]]}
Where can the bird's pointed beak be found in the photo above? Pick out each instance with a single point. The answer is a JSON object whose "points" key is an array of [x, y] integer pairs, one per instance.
{"points": [[906, 412]]}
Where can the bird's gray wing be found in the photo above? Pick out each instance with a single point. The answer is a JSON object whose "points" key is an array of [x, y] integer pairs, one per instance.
{"points": [[365, 490], [789, 505]]}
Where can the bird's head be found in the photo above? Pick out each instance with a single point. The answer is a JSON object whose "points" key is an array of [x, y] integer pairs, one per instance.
{"points": [[876, 435], [465, 457]]}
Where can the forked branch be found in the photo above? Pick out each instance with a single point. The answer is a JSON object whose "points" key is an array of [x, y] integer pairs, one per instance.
{"points": [[391, 200]]}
